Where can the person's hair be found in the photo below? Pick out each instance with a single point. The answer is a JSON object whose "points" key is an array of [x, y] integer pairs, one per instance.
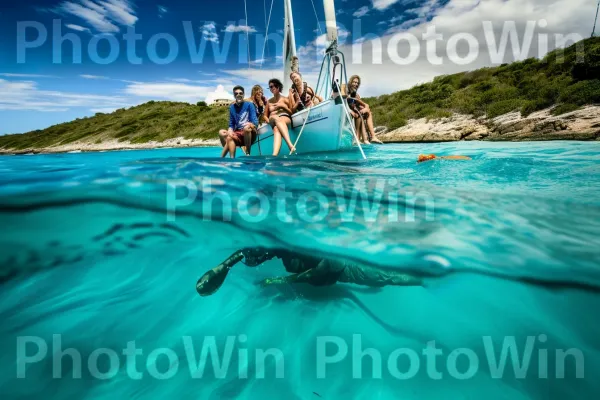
{"points": [[277, 83], [256, 89], [353, 77], [240, 88], [295, 72]]}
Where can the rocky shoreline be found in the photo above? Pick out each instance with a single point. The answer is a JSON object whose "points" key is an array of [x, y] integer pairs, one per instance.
{"points": [[583, 124], [115, 145]]}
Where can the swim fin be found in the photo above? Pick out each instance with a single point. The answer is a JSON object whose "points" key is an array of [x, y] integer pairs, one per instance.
{"points": [[213, 279]]}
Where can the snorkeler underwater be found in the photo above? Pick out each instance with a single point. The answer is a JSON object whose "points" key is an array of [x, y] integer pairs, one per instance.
{"points": [[285, 199]]}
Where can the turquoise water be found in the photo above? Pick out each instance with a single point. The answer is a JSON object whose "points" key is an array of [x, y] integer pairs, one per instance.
{"points": [[104, 249]]}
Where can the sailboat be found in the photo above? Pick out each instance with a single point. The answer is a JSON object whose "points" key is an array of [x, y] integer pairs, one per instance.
{"points": [[327, 126]]}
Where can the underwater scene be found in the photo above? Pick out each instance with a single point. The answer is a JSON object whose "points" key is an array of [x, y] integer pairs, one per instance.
{"points": [[382, 278]]}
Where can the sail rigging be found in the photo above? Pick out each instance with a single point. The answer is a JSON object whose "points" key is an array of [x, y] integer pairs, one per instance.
{"points": [[596, 19], [330, 21], [289, 43]]}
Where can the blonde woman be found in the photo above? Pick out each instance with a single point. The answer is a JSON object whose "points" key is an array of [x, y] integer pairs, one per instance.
{"points": [[360, 111], [259, 100]]}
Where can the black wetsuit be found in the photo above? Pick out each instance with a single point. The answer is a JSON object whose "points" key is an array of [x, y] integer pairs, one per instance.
{"points": [[324, 271], [304, 268]]}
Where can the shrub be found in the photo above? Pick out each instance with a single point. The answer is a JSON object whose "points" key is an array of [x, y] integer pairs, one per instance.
{"points": [[505, 106], [564, 108], [583, 92]]}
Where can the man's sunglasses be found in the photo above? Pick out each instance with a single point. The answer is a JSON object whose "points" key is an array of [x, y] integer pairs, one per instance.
{"points": [[239, 93], [272, 86]]}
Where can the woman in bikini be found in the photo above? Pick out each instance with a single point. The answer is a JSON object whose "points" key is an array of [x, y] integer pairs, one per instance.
{"points": [[301, 95], [360, 112], [260, 103], [279, 115]]}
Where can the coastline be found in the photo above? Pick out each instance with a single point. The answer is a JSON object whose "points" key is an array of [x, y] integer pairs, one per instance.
{"points": [[580, 125], [114, 145]]}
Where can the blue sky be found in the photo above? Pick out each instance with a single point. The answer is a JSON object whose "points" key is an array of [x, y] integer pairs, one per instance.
{"points": [[40, 87]]}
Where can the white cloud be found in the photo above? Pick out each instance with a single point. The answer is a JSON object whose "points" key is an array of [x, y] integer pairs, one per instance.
{"points": [[120, 11], [239, 28], [106, 110], [93, 77], [162, 10], [9, 75], [209, 32], [172, 91], [250, 77], [383, 4], [361, 12], [77, 28], [405, 25], [103, 16], [425, 9], [25, 95], [462, 16], [220, 93]]}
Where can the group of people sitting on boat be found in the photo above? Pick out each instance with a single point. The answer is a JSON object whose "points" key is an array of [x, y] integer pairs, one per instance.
{"points": [[246, 115]]}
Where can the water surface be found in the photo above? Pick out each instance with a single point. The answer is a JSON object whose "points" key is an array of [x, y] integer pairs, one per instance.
{"points": [[105, 249]]}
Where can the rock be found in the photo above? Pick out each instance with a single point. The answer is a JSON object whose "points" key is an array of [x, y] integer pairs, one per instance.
{"points": [[582, 124], [380, 130]]}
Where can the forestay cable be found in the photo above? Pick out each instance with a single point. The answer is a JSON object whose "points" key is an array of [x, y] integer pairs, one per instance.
{"points": [[317, 17], [262, 58], [247, 33]]}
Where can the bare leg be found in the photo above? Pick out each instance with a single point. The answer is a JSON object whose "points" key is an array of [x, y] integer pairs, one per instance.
{"points": [[223, 133], [276, 141], [360, 130], [283, 122], [231, 146], [248, 140], [369, 119], [280, 123], [225, 147]]}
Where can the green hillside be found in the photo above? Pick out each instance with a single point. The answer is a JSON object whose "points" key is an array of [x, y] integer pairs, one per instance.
{"points": [[155, 120], [527, 86]]}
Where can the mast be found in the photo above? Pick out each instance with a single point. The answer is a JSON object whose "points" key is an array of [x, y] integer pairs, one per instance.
{"points": [[330, 21], [289, 44], [596, 20]]}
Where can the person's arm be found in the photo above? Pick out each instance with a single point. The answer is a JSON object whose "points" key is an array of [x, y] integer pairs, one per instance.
{"points": [[292, 101], [231, 119], [267, 113], [287, 106], [253, 117], [314, 95], [364, 106]]}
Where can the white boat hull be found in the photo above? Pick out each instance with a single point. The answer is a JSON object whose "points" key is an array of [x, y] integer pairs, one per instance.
{"points": [[326, 130]]}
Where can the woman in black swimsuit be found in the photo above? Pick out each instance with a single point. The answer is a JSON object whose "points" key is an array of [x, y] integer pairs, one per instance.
{"points": [[279, 115], [301, 95]]}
